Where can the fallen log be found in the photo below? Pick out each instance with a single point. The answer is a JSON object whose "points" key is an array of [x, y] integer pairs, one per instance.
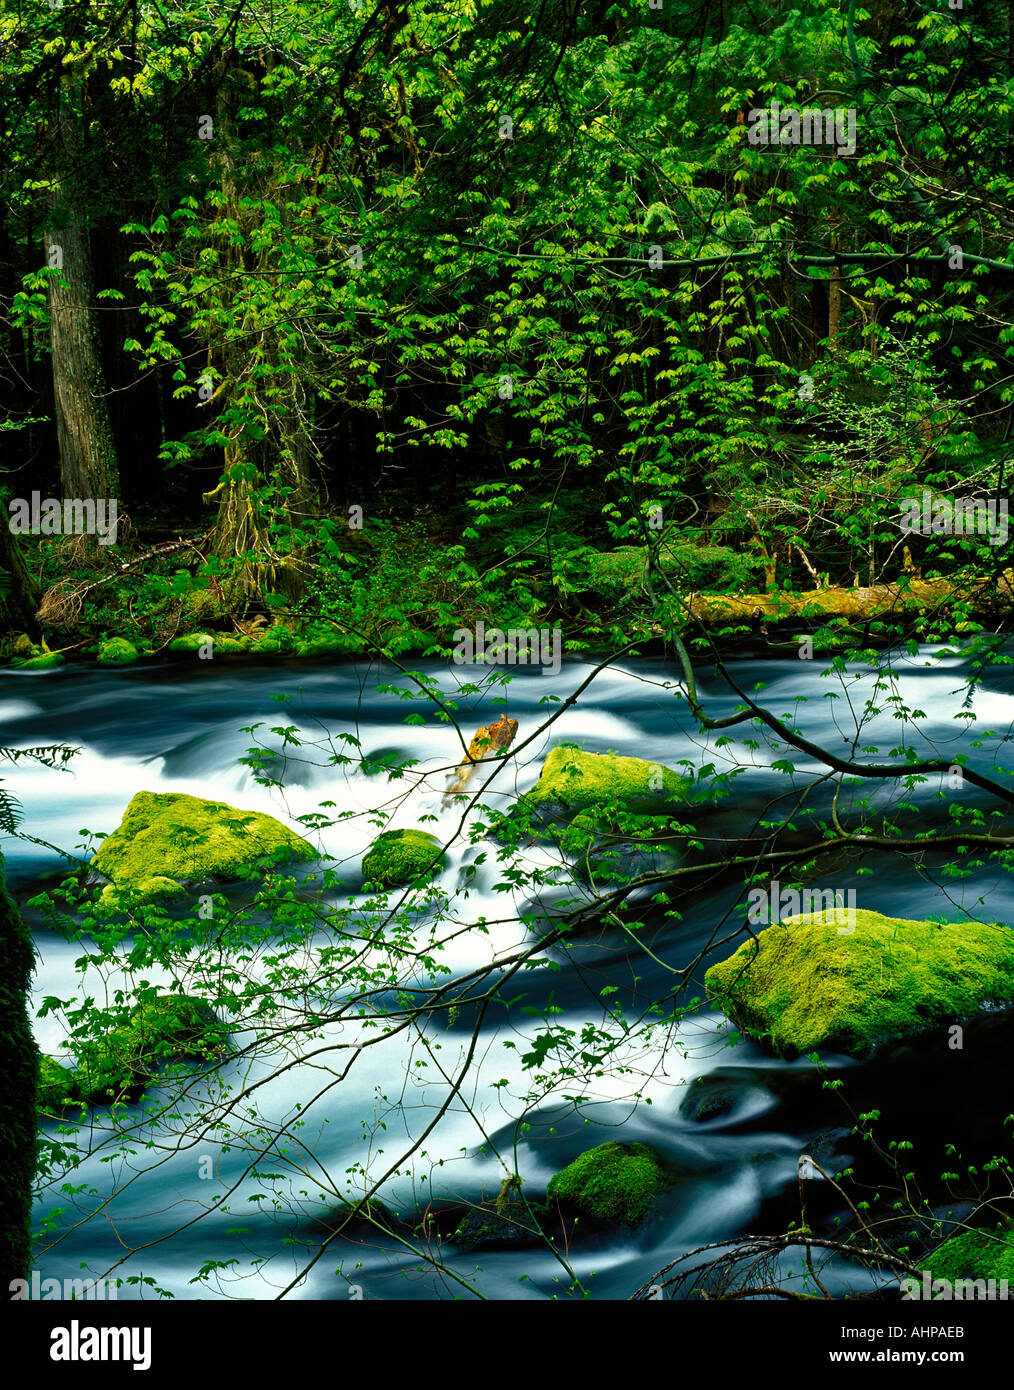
{"points": [[908, 597]]}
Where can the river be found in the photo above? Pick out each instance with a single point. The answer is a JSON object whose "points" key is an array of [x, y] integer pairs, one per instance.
{"points": [[179, 726]]}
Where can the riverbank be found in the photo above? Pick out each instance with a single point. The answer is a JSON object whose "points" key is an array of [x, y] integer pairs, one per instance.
{"points": [[408, 590]]}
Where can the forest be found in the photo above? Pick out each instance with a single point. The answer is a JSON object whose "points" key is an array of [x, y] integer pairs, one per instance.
{"points": [[506, 554]]}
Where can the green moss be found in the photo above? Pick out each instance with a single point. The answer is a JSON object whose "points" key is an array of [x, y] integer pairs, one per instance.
{"points": [[321, 639], [621, 574], [168, 840], [276, 639], [595, 794], [399, 857], [46, 662], [612, 1183], [18, 1093], [222, 644], [117, 651], [974, 1255], [577, 780], [165, 1029], [58, 1086], [191, 642], [805, 984]]}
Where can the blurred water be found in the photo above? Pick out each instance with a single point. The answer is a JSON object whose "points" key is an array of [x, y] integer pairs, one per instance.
{"points": [[181, 728]]}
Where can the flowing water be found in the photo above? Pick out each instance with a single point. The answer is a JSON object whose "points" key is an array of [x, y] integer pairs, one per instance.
{"points": [[180, 727]]}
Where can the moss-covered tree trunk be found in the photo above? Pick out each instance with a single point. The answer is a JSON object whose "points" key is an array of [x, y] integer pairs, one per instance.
{"points": [[19, 1073], [18, 597], [88, 466], [265, 488]]}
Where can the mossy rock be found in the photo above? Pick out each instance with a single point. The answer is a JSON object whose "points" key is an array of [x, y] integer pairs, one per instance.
{"points": [[116, 651], [166, 1029], [400, 857], [581, 796], [808, 983], [222, 643], [573, 781], [974, 1255], [192, 642], [276, 639], [169, 841], [45, 662], [615, 1184], [58, 1087]]}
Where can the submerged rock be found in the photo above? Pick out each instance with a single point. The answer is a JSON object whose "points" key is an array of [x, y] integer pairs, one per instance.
{"points": [[809, 983], [400, 857], [503, 1226], [168, 841], [613, 1184]]}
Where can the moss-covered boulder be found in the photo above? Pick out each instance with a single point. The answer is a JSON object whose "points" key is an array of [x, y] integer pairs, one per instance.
{"points": [[974, 1255], [116, 651], [591, 794], [572, 781], [400, 857], [58, 1086], [615, 1184], [276, 639], [162, 1030], [217, 643], [590, 801], [810, 983], [168, 842]]}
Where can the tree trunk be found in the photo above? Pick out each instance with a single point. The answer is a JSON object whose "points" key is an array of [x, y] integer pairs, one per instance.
{"points": [[20, 1063], [88, 465], [18, 597], [265, 490], [834, 294]]}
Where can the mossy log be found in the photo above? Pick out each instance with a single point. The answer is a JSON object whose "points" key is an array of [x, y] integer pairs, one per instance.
{"points": [[907, 598]]}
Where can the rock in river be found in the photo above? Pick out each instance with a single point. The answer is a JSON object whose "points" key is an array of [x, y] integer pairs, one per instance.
{"points": [[807, 983]]}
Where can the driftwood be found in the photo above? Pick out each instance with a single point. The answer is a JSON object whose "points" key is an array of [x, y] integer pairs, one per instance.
{"points": [[495, 739]]}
